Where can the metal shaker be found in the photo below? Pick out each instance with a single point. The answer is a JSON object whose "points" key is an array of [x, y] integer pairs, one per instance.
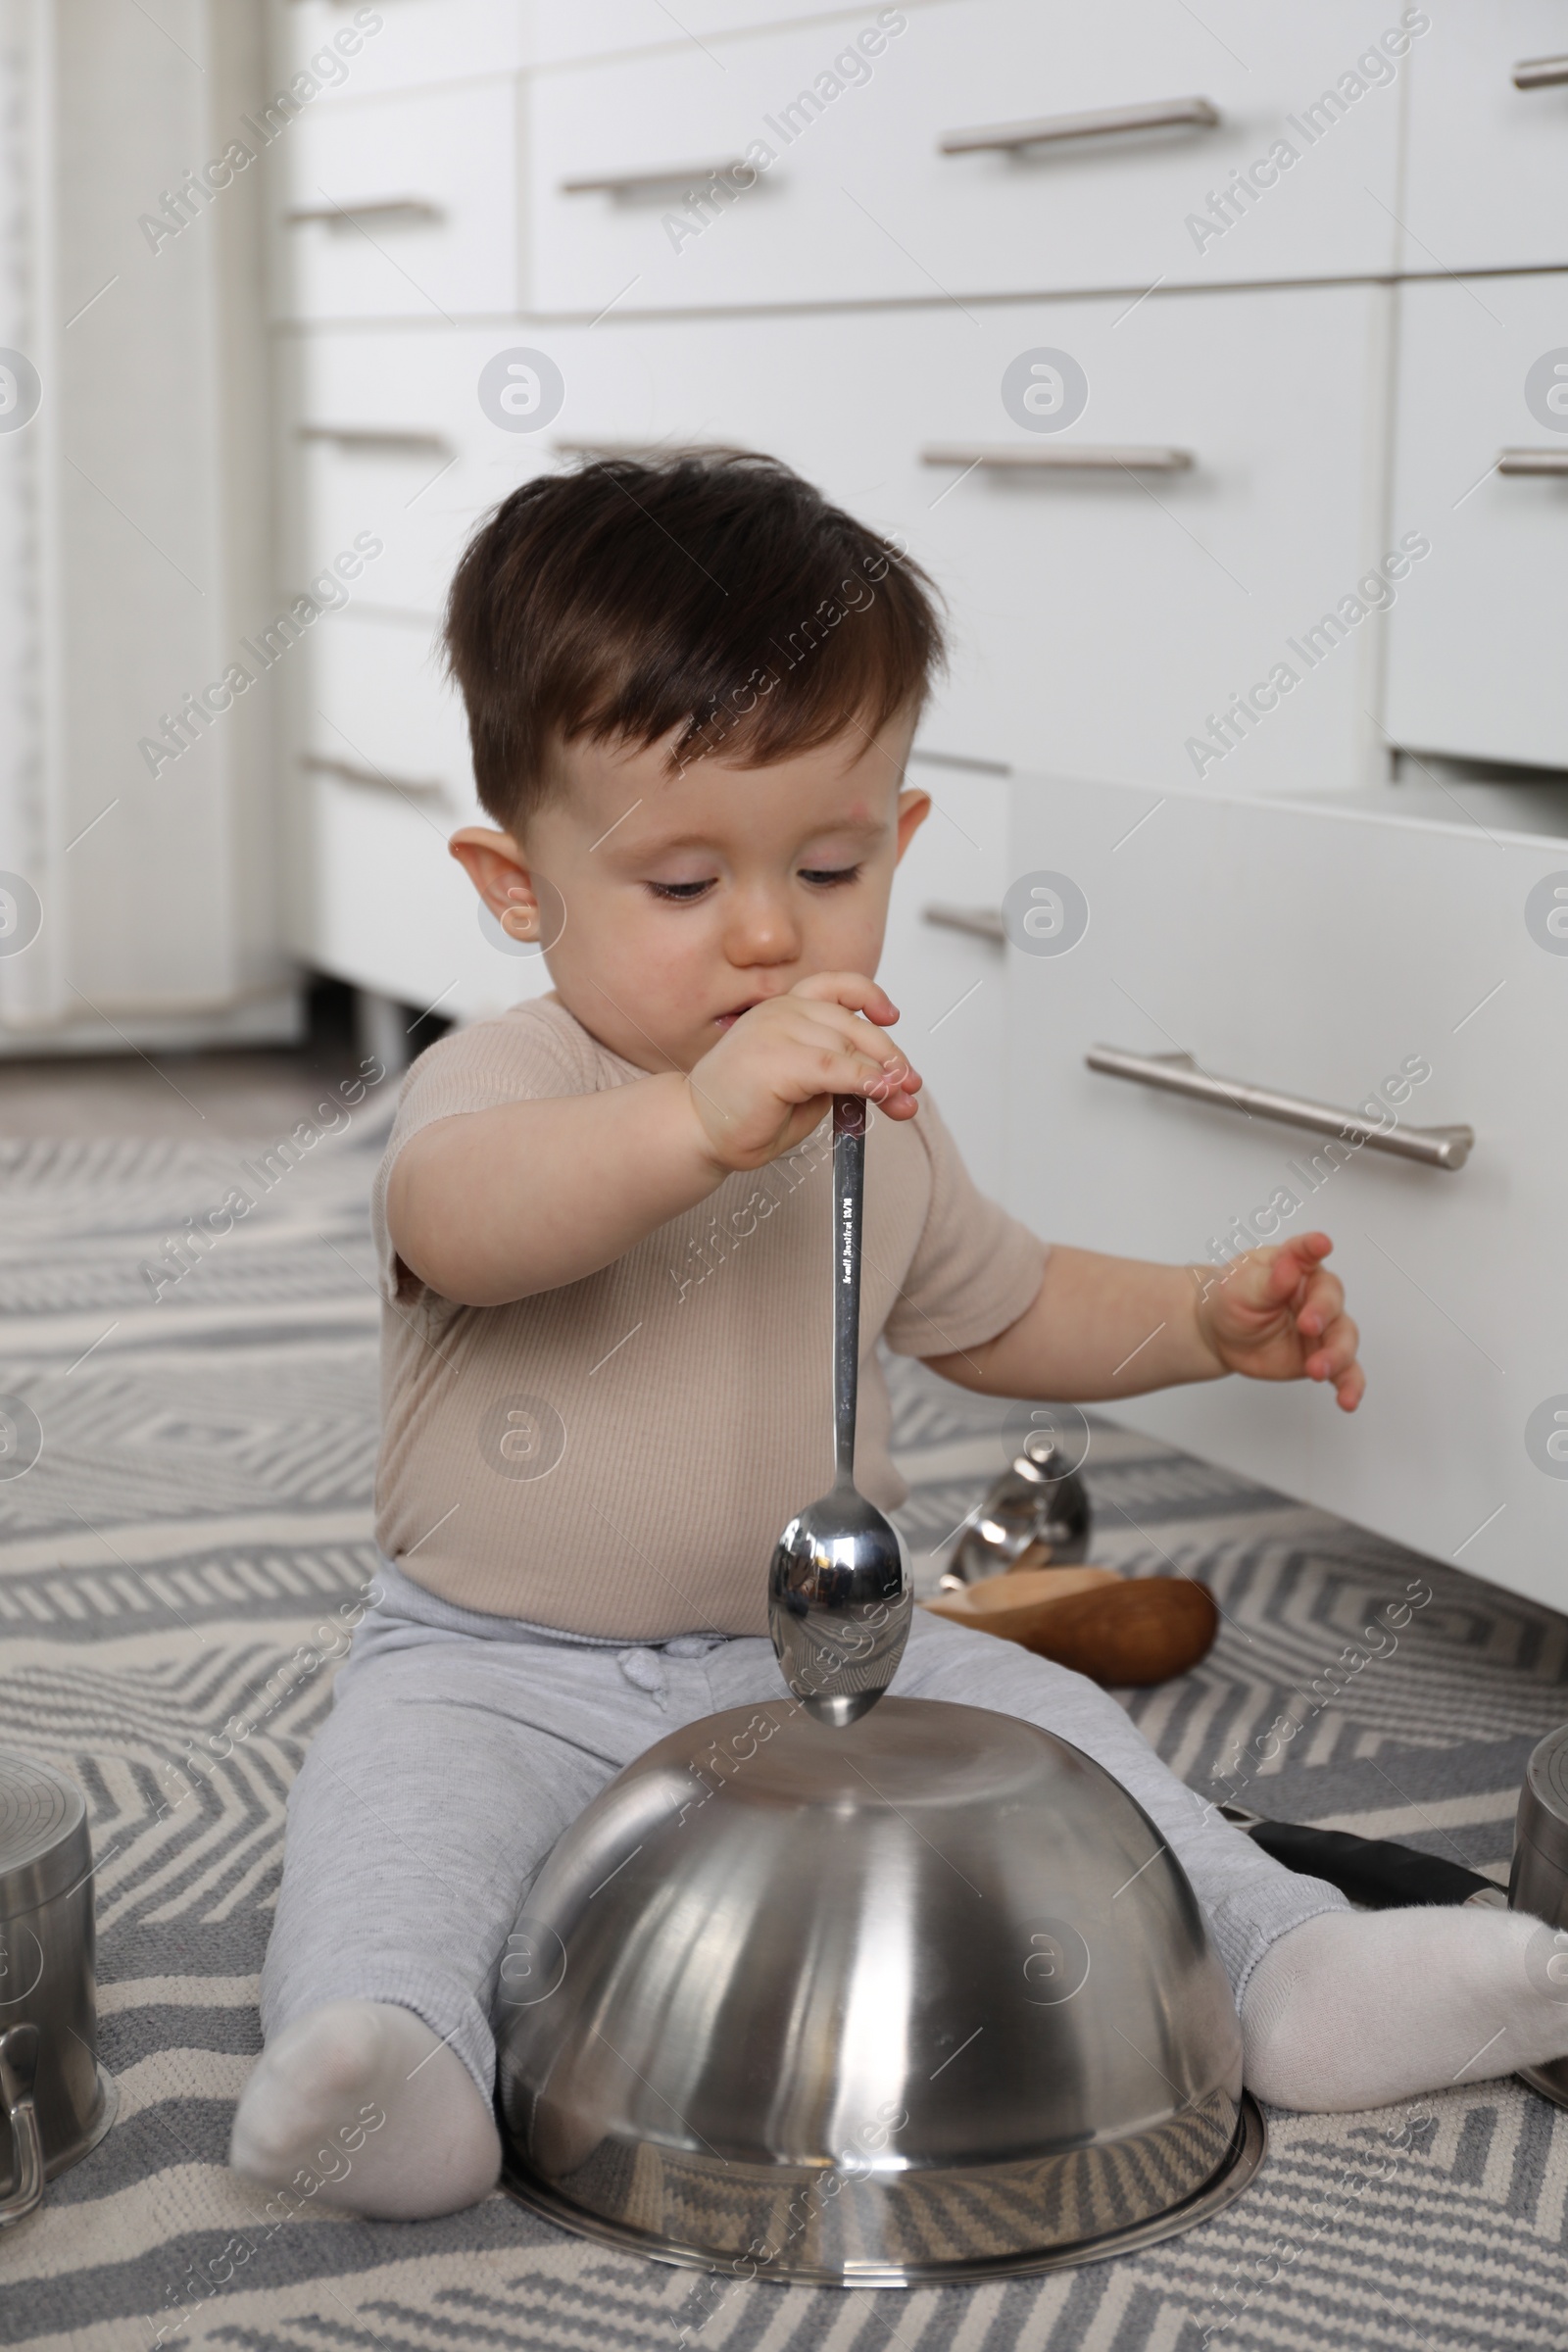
{"points": [[1041, 1500], [56, 2101]]}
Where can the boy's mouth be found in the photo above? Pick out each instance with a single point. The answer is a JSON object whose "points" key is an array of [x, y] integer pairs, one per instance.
{"points": [[727, 1020]]}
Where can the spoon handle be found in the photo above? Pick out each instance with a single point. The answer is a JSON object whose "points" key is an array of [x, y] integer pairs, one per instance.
{"points": [[849, 1182]]}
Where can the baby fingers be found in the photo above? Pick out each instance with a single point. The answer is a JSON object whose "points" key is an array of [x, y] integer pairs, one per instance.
{"points": [[1322, 1300], [1334, 1361]]}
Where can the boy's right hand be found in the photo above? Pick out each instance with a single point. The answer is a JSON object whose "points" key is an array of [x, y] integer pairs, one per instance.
{"points": [[771, 1077]]}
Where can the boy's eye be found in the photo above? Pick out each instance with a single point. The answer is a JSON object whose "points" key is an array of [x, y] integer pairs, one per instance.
{"points": [[829, 874], [681, 892]]}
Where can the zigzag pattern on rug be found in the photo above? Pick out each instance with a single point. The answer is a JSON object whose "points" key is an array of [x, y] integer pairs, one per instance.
{"points": [[177, 1574]]}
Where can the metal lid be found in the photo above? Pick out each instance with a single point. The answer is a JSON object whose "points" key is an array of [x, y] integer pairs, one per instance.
{"points": [[1543, 1818], [44, 1843]]}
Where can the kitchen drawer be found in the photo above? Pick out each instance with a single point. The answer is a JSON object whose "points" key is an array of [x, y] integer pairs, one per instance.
{"points": [[948, 978], [564, 29], [1103, 618], [413, 44], [400, 207], [388, 910], [1322, 953], [384, 431], [848, 194], [378, 714], [1475, 658], [419, 43], [1486, 177]]}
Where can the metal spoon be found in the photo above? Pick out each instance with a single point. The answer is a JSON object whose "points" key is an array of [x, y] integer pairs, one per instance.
{"points": [[839, 1604]]}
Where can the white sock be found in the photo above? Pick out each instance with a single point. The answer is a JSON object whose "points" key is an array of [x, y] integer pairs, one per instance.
{"points": [[1359, 2008], [363, 2099]]}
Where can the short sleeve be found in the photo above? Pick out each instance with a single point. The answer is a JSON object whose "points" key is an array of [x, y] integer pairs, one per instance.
{"points": [[523, 1056], [975, 1268]]}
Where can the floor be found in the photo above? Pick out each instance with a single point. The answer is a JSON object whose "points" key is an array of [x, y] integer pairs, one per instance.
{"points": [[189, 1098], [192, 1098], [175, 1569]]}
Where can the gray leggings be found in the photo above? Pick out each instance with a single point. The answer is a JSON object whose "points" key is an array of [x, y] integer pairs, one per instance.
{"points": [[459, 1746]]}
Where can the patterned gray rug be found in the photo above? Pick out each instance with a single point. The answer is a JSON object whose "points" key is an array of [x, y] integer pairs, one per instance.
{"points": [[177, 1558]]}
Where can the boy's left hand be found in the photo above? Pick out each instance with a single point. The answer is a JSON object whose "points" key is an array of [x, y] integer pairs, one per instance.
{"points": [[1277, 1313]]}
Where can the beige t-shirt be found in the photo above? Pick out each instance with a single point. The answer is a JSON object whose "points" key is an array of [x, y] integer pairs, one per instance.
{"points": [[619, 1456]]}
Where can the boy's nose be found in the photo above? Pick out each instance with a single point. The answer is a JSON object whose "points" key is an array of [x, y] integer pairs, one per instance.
{"points": [[761, 930]]}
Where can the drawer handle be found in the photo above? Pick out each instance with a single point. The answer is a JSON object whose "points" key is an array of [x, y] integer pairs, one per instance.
{"points": [[1161, 114], [408, 211], [643, 452], [658, 176], [1533, 460], [1066, 457], [395, 439], [981, 923], [1541, 73], [1178, 1074], [348, 771]]}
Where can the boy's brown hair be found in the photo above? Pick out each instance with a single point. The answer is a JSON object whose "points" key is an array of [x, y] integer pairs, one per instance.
{"points": [[719, 594]]}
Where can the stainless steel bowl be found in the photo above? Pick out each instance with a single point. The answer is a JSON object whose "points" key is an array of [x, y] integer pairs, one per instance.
{"points": [[923, 1998]]}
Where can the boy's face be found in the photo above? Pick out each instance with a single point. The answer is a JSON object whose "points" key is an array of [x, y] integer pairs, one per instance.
{"points": [[669, 903]]}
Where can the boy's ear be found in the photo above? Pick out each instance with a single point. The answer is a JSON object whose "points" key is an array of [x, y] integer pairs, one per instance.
{"points": [[914, 807], [496, 867]]}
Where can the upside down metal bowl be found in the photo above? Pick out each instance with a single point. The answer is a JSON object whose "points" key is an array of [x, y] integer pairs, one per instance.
{"points": [[927, 1998]]}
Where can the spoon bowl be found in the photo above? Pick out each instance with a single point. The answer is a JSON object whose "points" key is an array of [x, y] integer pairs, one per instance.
{"points": [[839, 1605]]}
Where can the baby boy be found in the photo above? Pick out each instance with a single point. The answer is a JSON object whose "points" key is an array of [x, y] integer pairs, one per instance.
{"points": [[691, 691]]}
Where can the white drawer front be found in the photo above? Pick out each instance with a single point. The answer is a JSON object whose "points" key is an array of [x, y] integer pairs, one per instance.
{"points": [[948, 984], [563, 29], [378, 712], [397, 44], [1102, 619], [389, 910], [400, 207], [385, 432], [1321, 954], [381, 779], [1487, 181], [1476, 660], [846, 194]]}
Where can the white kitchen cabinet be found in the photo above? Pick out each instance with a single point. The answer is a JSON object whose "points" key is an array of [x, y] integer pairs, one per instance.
{"points": [[386, 907], [399, 207], [417, 44], [1486, 177], [846, 193], [396, 44], [375, 701], [1103, 618], [565, 29], [1321, 952], [1476, 652], [948, 978], [381, 780], [384, 430]]}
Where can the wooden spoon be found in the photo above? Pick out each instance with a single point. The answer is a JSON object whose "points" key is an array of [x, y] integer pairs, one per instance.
{"points": [[1118, 1630]]}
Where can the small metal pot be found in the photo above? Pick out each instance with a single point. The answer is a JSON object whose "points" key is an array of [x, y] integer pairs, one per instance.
{"points": [[1539, 1880], [56, 2101]]}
